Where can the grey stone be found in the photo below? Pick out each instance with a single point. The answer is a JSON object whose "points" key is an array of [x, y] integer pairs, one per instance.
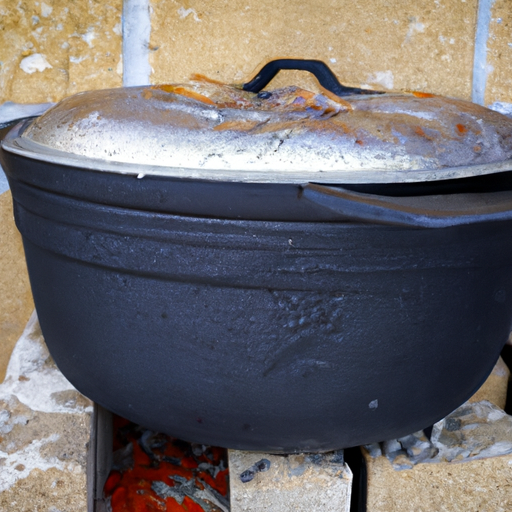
{"points": [[373, 449], [418, 447], [207, 498], [473, 431]]}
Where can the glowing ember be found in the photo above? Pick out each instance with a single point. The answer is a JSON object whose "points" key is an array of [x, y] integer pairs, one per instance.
{"points": [[156, 473]]}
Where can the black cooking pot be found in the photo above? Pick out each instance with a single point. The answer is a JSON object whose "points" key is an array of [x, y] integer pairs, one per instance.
{"points": [[309, 299]]}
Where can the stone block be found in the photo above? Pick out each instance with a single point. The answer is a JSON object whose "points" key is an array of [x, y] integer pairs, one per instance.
{"points": [[482, 485], [285, 483], [16, 304], [49, 50], [499, 54], [382, 44], [44, 432], [465, 466]]}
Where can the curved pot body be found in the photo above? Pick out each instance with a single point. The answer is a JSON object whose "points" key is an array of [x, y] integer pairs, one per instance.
{"points": [[260, 335]]}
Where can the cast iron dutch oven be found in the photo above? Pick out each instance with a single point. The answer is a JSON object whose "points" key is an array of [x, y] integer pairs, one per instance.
{"points": [[269, 270]]}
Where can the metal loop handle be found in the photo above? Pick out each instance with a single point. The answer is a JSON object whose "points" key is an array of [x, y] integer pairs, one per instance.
{"points": [[322, 72]]}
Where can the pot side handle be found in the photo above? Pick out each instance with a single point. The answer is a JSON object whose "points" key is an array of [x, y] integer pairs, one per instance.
{"points": [[430, 211], [322, 72]]}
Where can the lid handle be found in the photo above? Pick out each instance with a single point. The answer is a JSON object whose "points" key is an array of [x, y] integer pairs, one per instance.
{"points": [[322, 72]]}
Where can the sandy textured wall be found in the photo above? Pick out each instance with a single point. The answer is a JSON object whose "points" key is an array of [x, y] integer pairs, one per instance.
{"points": [[51, 49], [381, 44], [16, 304], [499, 58]]}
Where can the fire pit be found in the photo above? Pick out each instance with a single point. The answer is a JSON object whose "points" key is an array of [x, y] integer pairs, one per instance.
{"points": [[155, 472]]}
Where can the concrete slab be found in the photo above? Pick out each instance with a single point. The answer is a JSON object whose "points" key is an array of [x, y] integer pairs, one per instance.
{"points": [[299, 483], [44, 432], [467, 462]]}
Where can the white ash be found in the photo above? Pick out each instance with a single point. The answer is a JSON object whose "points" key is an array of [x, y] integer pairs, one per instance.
{"points": [[18, 465], [33, 386], [207, 498], [33, 378], [473, 431], [35, 62]]}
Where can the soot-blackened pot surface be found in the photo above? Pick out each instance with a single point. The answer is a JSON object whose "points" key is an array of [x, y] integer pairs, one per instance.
{"points": [[272, 336]]}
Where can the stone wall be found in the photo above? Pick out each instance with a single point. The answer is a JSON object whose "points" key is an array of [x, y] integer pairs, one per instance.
{"points": [[16, 304], [51, 49]]}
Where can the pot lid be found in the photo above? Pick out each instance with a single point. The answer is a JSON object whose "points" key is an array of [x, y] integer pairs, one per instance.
{"points": [[209, 130]]}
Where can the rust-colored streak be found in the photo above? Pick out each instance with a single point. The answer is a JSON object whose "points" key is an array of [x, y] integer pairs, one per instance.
{"points": [[477, 149], [284, 125], [333, 97], [418, 130], [193, 95], [344, 127], [112, 481], [304, 93], [147, 94], [359, 142], [197, 77], [461, 129], [164, 87], [223, 96], [182, 91], [237, 126], [420, 94]]}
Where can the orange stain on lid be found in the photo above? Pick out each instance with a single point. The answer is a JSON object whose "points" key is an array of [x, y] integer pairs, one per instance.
{"points": [[420, 94], [182, 91], [240, 126], [336, 98]]}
